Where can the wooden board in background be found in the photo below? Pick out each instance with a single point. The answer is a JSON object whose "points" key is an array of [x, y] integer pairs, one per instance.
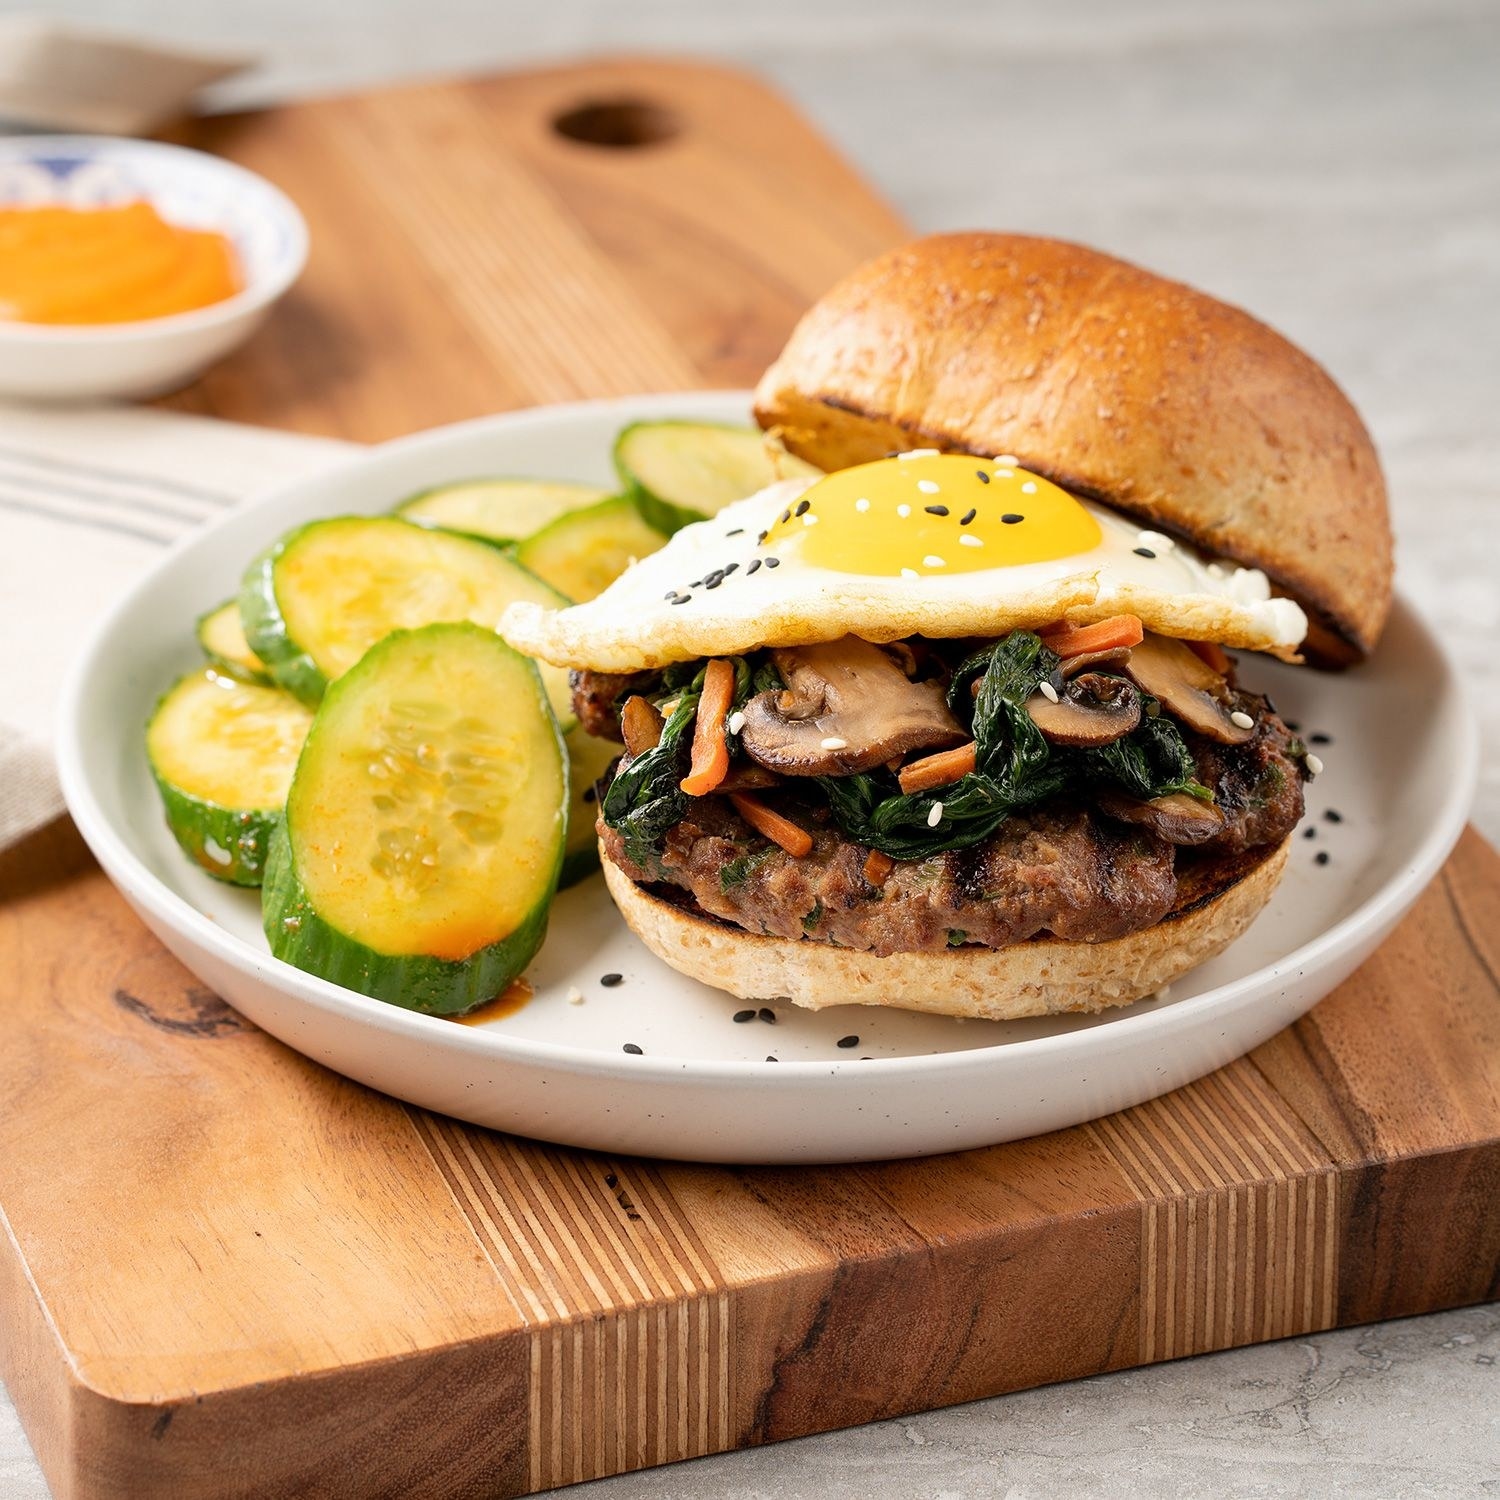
{"points": [[225, 1271]]}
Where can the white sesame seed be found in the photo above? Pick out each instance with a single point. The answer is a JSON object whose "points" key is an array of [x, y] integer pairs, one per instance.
{"points": [[1241, 720], [833, 742], [1163, 993], [1048, 691], [736, 722], [861, 504], [1029, 488], [927, 486], [1005, 473], [909, 573], [933, 562], [903, 511], [1314, 765], [919, 453], [810, 520], [1157, 541], [968, 539], [575, 996], [1007, 458], [935, 815]]}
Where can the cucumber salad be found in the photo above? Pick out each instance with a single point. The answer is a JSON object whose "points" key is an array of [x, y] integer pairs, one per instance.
{"points": [[408, 792]]}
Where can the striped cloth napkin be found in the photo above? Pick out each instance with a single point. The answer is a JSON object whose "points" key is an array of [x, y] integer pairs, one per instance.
{"points": [[90, 498]]}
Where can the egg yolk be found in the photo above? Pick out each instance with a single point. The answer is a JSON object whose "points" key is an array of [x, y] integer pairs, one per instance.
{"points": [[924, 514], [107, 265]]}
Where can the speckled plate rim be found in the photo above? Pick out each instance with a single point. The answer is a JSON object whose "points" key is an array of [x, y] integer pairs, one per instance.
{"points": [[144, 890]]}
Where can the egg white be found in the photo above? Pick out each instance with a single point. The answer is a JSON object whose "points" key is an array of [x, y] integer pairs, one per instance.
{"points": [[634, 624]]}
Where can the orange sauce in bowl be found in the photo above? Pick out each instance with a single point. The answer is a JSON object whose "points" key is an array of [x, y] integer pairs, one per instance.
{"points": [[107, 265]]}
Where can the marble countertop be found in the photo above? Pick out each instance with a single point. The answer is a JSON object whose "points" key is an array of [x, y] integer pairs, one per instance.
{"points": [[1335, 168]]}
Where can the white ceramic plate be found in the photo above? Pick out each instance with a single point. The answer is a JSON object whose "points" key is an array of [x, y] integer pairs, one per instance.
{"points": [[1400, 772]]}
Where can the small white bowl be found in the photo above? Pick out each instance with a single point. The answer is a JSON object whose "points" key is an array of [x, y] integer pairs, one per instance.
{"points": [[52, 362]]}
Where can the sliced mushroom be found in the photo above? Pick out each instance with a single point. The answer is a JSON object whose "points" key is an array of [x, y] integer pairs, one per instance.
{"points": [[640, 725], [1187, 687], [745, 777], [903, 655], [1177, 817], [1071, 666], [847, 707], [597, 697], [1093, 709]]}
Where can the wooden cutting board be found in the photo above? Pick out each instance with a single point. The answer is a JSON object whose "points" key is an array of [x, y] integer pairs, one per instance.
{"points": [[227, 1272]]}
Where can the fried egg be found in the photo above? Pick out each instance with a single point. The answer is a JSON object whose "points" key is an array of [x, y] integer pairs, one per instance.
{"points": [[923, 543]]}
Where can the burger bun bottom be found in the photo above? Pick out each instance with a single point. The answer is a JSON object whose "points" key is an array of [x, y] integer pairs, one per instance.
{"points": [[1042, 977]]}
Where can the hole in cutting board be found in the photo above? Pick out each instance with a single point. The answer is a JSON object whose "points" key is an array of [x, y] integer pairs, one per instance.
{"points": [[621, 124]]}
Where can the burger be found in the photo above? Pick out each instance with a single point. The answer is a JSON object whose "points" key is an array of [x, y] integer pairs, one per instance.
{"points": [[952, 720]]}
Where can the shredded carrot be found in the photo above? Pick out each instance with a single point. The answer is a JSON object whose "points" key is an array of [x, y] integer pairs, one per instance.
{"points": [[710, 753], [1075, 640], [641, 725], [937, 770], [1213, 654], [878, 868], [796, 841]]}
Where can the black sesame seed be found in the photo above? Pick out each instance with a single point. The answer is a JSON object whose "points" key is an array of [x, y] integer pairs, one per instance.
{"points": [[682, 599], [609, 981], [760, 536], [967, 516], [741, 1016], [1293, 725], [983, 477], [767, 1015], [1322, 857], [936, 510], [773, 562], [1333, 815], [1143, 552], [732, 568], [803, 506], [1321, 739], [786, 515], [769, 1058], [1309, 832], [1010, 518], [847, 1041], [714, 579], [633, 1050], [753, 566], [590, 795], [738, 531]]}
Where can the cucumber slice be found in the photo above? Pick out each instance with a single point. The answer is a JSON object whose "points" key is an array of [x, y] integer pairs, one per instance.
{"points": [[680, 472], [583, 553], [588, 760], [222, 752], [424, 828], [503, 510], [222, 640], [317, 600]]}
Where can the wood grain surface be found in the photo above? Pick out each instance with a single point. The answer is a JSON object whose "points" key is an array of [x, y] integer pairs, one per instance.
{"points": [[226, 1271]]}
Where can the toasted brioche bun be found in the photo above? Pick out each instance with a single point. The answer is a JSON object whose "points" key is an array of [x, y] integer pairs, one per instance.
{"points": [[1116, 384], [1043, 977]]}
